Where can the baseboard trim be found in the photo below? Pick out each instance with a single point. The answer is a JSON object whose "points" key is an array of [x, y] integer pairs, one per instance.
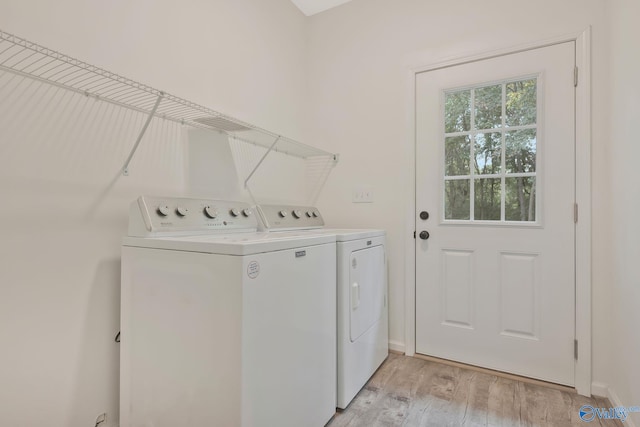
{"points": [[603, 390], [600, 390], [396, 347]]}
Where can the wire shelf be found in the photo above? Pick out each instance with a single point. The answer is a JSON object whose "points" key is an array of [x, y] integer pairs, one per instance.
{"points": [[24, 58]]}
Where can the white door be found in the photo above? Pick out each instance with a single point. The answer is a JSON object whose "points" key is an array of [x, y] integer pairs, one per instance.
{"points": [[495, 172]]}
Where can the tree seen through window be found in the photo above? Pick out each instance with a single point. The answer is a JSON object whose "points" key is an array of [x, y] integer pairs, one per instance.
{"points": [[491, 140]]}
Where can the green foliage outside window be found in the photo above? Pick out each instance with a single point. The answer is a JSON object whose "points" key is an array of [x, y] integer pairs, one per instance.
{"points": [[487, 149]]}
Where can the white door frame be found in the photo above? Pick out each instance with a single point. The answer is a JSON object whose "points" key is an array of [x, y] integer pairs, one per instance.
{"points": [[583, 196]]}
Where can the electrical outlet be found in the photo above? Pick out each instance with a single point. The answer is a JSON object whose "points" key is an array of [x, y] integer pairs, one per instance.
{"points": [[362, 195]]}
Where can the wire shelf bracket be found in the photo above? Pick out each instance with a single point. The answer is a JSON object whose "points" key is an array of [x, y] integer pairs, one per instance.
{"points": [[125, 168]]}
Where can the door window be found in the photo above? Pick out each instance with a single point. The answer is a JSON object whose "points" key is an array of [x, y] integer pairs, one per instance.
{"points": [[490, 152]]}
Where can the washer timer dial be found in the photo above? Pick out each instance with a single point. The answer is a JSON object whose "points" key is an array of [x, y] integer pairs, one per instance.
{"points": [[210, 212], [163, 210]]}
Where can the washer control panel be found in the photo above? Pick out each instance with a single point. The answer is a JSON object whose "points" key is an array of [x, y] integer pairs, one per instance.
{"points": [[161, 216], [290, 217]]}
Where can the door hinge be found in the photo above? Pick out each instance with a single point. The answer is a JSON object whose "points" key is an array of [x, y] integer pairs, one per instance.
{"points": [[575, 349], [575, 76], [575, 213]]}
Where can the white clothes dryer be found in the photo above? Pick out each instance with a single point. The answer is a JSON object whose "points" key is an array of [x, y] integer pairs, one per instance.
{"points": [[361, 276], [222, 325]]}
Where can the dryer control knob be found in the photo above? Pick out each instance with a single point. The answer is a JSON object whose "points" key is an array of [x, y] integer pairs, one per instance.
{"points": [[282, 214], [182, 211], [296, 213], [210, 212], [234, 212], [247, 212], [163, 210]]}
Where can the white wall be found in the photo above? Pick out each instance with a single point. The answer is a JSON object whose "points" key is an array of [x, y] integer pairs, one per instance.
{"points": [[625, 151], [360, 55], [64, 203]]}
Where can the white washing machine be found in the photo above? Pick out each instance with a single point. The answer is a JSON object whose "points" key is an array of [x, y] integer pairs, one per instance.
{"points": [[363, 332], [222, 325]]}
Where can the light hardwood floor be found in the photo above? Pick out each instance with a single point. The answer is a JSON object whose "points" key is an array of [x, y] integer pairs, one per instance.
{"points": [[410, 392]]}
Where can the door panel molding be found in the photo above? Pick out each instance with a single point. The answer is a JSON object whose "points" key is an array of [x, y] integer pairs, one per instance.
{"points": [[519, 299], [457, 296], [583, 192]]}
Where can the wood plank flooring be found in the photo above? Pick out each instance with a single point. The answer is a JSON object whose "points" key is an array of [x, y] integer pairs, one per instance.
{"points": [[410, 392]]}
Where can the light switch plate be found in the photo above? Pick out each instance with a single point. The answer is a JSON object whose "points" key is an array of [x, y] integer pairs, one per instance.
{"points": [[362, 195]]}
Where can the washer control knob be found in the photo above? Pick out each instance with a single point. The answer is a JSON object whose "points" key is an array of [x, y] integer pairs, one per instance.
{"points": [[163, 210], [283, 214], [182, 211], [210, 212], [247, 212], [309, 214], [234, 212], [315, 214], [297, 214]]}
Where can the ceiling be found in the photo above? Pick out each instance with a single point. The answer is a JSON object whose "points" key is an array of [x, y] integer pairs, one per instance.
{"points": [[311, 7]]}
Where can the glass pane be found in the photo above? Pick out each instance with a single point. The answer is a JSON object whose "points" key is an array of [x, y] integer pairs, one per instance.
{"points": [[520, 151], [488, 107], [457, 150], [521, 98], [520, 199], [457, 111], [488, 149], [487, 199], [456, 199]]}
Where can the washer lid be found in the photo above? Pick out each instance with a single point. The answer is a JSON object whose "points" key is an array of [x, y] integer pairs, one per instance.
{"points": [[232, 244]]}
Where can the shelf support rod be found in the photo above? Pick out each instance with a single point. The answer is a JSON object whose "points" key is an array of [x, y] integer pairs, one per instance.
{"points": [[125, 168], [246, 184], [246, 181]]}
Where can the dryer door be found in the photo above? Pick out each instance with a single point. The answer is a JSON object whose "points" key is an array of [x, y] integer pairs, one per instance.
{"points": [[366, 289]]}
